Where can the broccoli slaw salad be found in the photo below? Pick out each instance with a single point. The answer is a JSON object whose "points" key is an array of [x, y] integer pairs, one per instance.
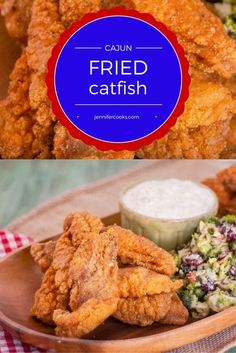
{"points": [[207, 264]]}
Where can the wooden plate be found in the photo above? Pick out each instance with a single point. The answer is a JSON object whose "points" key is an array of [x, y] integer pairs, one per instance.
{"points": [[19, 279]]}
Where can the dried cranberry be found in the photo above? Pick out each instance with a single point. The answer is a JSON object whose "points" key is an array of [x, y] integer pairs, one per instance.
{"points": [[193, 260], [208, 286], [185, 268], [231, 236], [232, 271], [222, 255], [228, 230]]}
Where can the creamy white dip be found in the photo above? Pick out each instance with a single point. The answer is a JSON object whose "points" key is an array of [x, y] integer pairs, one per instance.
{"points": [[169, 199]]}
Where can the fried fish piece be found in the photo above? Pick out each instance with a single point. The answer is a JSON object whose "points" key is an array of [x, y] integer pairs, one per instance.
{"points": [[145, 310], [224, 185], [90, 315], [17, 14], [138, 281], [177, 315], [228, 178], [55, 289], [16, 125], [94, 291], [138, 250], [93, 270]]}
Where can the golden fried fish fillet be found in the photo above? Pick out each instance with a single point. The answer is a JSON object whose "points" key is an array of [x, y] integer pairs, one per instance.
{"points": [[132, 250], [177, 315], [84, 320], [93, 282], [138, 281], [55, 289], [145, 310], [93, 270], [137, 250], [17, 14], [16, 125]]}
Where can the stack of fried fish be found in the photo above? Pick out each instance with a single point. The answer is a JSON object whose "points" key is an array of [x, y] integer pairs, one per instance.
{"points": [[93, 272], [206, 129]]}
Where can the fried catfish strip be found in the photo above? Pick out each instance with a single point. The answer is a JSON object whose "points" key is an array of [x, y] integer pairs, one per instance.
{"points": [[93, 270], [16, 126], [137, 250], [42, 253], [44, 32], [143, 311], [94, 291], [177, 315], [17, 14], [138, 281], [55, 289], [90, 315]]}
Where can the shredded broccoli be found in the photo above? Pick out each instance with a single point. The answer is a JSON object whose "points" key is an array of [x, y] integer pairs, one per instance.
{"points": [[229, 219]]}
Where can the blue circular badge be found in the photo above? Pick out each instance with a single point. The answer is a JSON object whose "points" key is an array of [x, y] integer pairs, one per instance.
{"points": [[118, 79]]}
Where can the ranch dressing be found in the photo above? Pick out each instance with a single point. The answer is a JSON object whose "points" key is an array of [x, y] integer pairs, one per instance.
{"points": [[169, 199]]}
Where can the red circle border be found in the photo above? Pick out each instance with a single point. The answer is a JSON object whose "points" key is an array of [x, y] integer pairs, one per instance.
{"points": [[102, 145]]}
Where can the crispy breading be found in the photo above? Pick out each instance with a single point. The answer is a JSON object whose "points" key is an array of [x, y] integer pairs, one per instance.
{"points": [[55, 289], [90, 315], [228, 178], [44, 32], [42, 254], [65, 146], [224, 185], [17, 14], [177, 315], [145, 310], [93, 270], [138, 282], [138, 250], [93, 281], [202, 130], [16, 127]]}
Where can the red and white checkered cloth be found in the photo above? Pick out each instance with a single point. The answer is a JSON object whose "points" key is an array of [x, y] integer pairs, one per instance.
{"points": [[9, 242]]}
